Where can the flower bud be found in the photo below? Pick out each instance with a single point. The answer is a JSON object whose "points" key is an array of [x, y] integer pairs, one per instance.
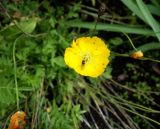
{"points": [[137, 55]]}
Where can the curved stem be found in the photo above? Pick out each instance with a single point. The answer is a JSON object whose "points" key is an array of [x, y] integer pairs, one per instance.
{"points": [[15, 71], [130, 42]]}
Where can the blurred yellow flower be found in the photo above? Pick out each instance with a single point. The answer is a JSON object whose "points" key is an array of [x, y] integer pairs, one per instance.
{"points": [[88, 56], [137, 55], [49, 109]]}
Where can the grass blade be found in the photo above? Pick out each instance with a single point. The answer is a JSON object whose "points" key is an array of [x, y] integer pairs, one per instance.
{"points": [[151, 21], [149, 46], [153, 9], [111, 27], [134, 8]]}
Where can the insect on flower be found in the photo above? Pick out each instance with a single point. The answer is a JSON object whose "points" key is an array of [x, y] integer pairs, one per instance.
{"points": [[88, 56], [18, 120], [83, 62]]}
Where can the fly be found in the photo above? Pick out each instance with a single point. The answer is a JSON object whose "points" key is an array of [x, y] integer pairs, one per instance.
{"points": [[83, 63]]}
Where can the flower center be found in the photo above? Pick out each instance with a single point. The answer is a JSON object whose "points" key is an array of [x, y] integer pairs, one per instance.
{"points": [[86, 58]]}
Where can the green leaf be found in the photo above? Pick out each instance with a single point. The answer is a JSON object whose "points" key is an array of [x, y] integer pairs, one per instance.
{"points": [[134, 8], [149, 46], [7, 91], [156, 3], [28, 25], [148, 16], [111, 27], [153, 9], [107, 74], [59, 60], [25, 26], [49, 46], [116, 41]]}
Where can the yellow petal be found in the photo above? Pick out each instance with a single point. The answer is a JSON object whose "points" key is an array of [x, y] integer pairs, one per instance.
{"points": [[72, 58], [83, 44], [97, 66]]}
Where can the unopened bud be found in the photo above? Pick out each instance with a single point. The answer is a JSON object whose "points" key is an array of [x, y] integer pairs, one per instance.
{"points": [[137, 55]]}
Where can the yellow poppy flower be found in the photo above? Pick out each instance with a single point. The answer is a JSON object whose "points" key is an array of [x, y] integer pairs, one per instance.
{"points": [[88, 56]]}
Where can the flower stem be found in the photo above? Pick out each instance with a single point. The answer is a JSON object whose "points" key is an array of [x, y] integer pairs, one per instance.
{"points": [[127, 55], [15, 72], [119, 54], [150, 59], [130, 42]]}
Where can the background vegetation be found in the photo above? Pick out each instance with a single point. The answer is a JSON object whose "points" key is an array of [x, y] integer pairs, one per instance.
{"points": [[35, 79]]}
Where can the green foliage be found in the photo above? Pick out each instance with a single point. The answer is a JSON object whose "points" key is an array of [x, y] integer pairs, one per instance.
{"points": [[61, 117], [31, 58], [34, 76]]}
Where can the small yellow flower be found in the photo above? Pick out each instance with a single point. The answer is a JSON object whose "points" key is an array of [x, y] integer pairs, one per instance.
{"points": [[88, 56], [137, 55], [49, 109]]}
